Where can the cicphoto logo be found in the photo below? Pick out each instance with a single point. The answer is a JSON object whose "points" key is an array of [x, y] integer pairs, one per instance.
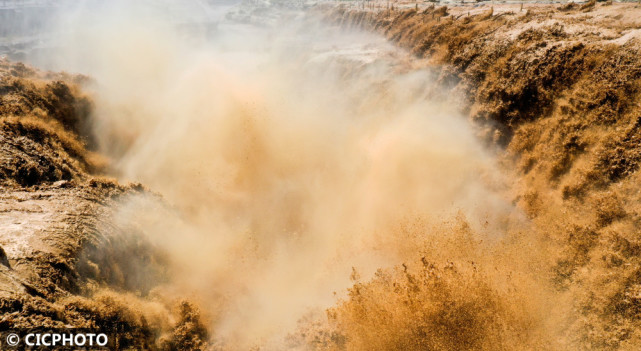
{"points": [[57, 339]]}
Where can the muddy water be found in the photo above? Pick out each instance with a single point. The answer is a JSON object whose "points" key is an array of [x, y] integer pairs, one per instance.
{"points": [[295, 158]]}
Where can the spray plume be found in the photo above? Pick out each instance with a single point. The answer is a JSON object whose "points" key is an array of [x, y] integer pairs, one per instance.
{"points": [[292, 159]]}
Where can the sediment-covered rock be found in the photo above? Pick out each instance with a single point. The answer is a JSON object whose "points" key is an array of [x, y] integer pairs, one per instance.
{"points": [[64, 261]]}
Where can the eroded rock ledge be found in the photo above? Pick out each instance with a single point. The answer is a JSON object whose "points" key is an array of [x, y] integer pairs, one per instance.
{"points": [[64, 261]]}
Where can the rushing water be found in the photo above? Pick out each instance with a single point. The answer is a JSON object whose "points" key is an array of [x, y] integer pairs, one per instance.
{"points": [[295, 154]]}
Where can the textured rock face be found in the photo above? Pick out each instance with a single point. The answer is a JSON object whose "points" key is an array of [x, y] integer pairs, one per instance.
{"points": [[64, 260]]}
